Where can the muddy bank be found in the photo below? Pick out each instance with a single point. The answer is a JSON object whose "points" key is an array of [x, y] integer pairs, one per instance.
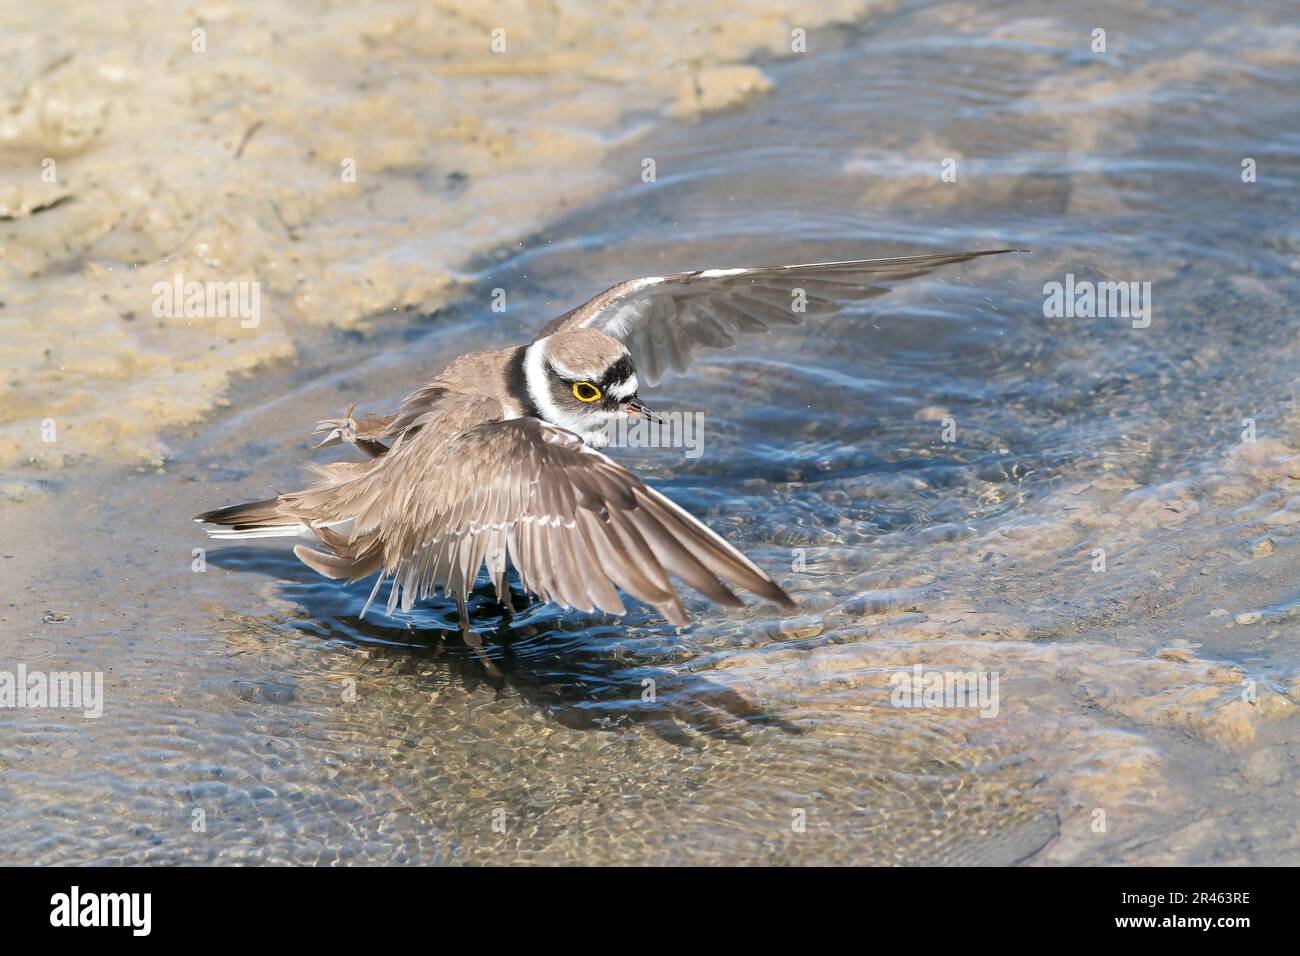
{"points": [[338, 163]]}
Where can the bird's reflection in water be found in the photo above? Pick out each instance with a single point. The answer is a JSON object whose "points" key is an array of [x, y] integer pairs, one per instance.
{"points": [[587, 671]]}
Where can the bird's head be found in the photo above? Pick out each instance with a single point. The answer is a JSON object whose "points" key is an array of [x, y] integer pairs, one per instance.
{"points": [[583, 380]]}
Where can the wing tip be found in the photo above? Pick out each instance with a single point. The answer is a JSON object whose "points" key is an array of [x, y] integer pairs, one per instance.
{"points": [[781, 598], [675, 613]]}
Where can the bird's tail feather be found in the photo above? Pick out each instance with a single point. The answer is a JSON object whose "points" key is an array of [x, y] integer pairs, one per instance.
{"points": [[254, 519]]}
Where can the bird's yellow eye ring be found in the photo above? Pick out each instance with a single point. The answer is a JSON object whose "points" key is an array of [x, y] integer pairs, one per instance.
{"points": [[585, 392]]}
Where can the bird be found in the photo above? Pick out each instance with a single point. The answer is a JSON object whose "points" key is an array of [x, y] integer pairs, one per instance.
{"points": [[498, 461]]}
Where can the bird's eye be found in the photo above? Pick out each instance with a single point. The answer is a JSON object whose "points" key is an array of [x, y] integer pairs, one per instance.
{"points": [[585, 392]]}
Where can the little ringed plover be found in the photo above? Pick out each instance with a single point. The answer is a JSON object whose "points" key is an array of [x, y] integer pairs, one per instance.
{"points": [[496, 460]]}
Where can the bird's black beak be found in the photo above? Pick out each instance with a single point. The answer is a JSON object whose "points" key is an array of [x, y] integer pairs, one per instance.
{"points": [[634, 406]]}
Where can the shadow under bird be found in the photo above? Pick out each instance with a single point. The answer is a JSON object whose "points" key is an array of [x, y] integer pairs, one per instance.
{"points": [[496, 461]]}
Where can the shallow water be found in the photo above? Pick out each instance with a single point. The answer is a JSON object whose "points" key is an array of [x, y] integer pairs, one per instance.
{"points": [[1145, 712]]}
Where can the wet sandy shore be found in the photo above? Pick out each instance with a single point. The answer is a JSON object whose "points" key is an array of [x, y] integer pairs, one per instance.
{"points": [[349, 160]]}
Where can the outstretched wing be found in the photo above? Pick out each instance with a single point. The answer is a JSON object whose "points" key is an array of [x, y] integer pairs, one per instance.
{"points": [[665, 320], [574, 523]]}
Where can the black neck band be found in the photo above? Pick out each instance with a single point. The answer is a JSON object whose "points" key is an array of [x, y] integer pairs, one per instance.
{"points": [[517, 383]]}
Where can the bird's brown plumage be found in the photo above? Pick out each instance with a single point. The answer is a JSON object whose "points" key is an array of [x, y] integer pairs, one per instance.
{"points": [[665, 320], [466, 473]]}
